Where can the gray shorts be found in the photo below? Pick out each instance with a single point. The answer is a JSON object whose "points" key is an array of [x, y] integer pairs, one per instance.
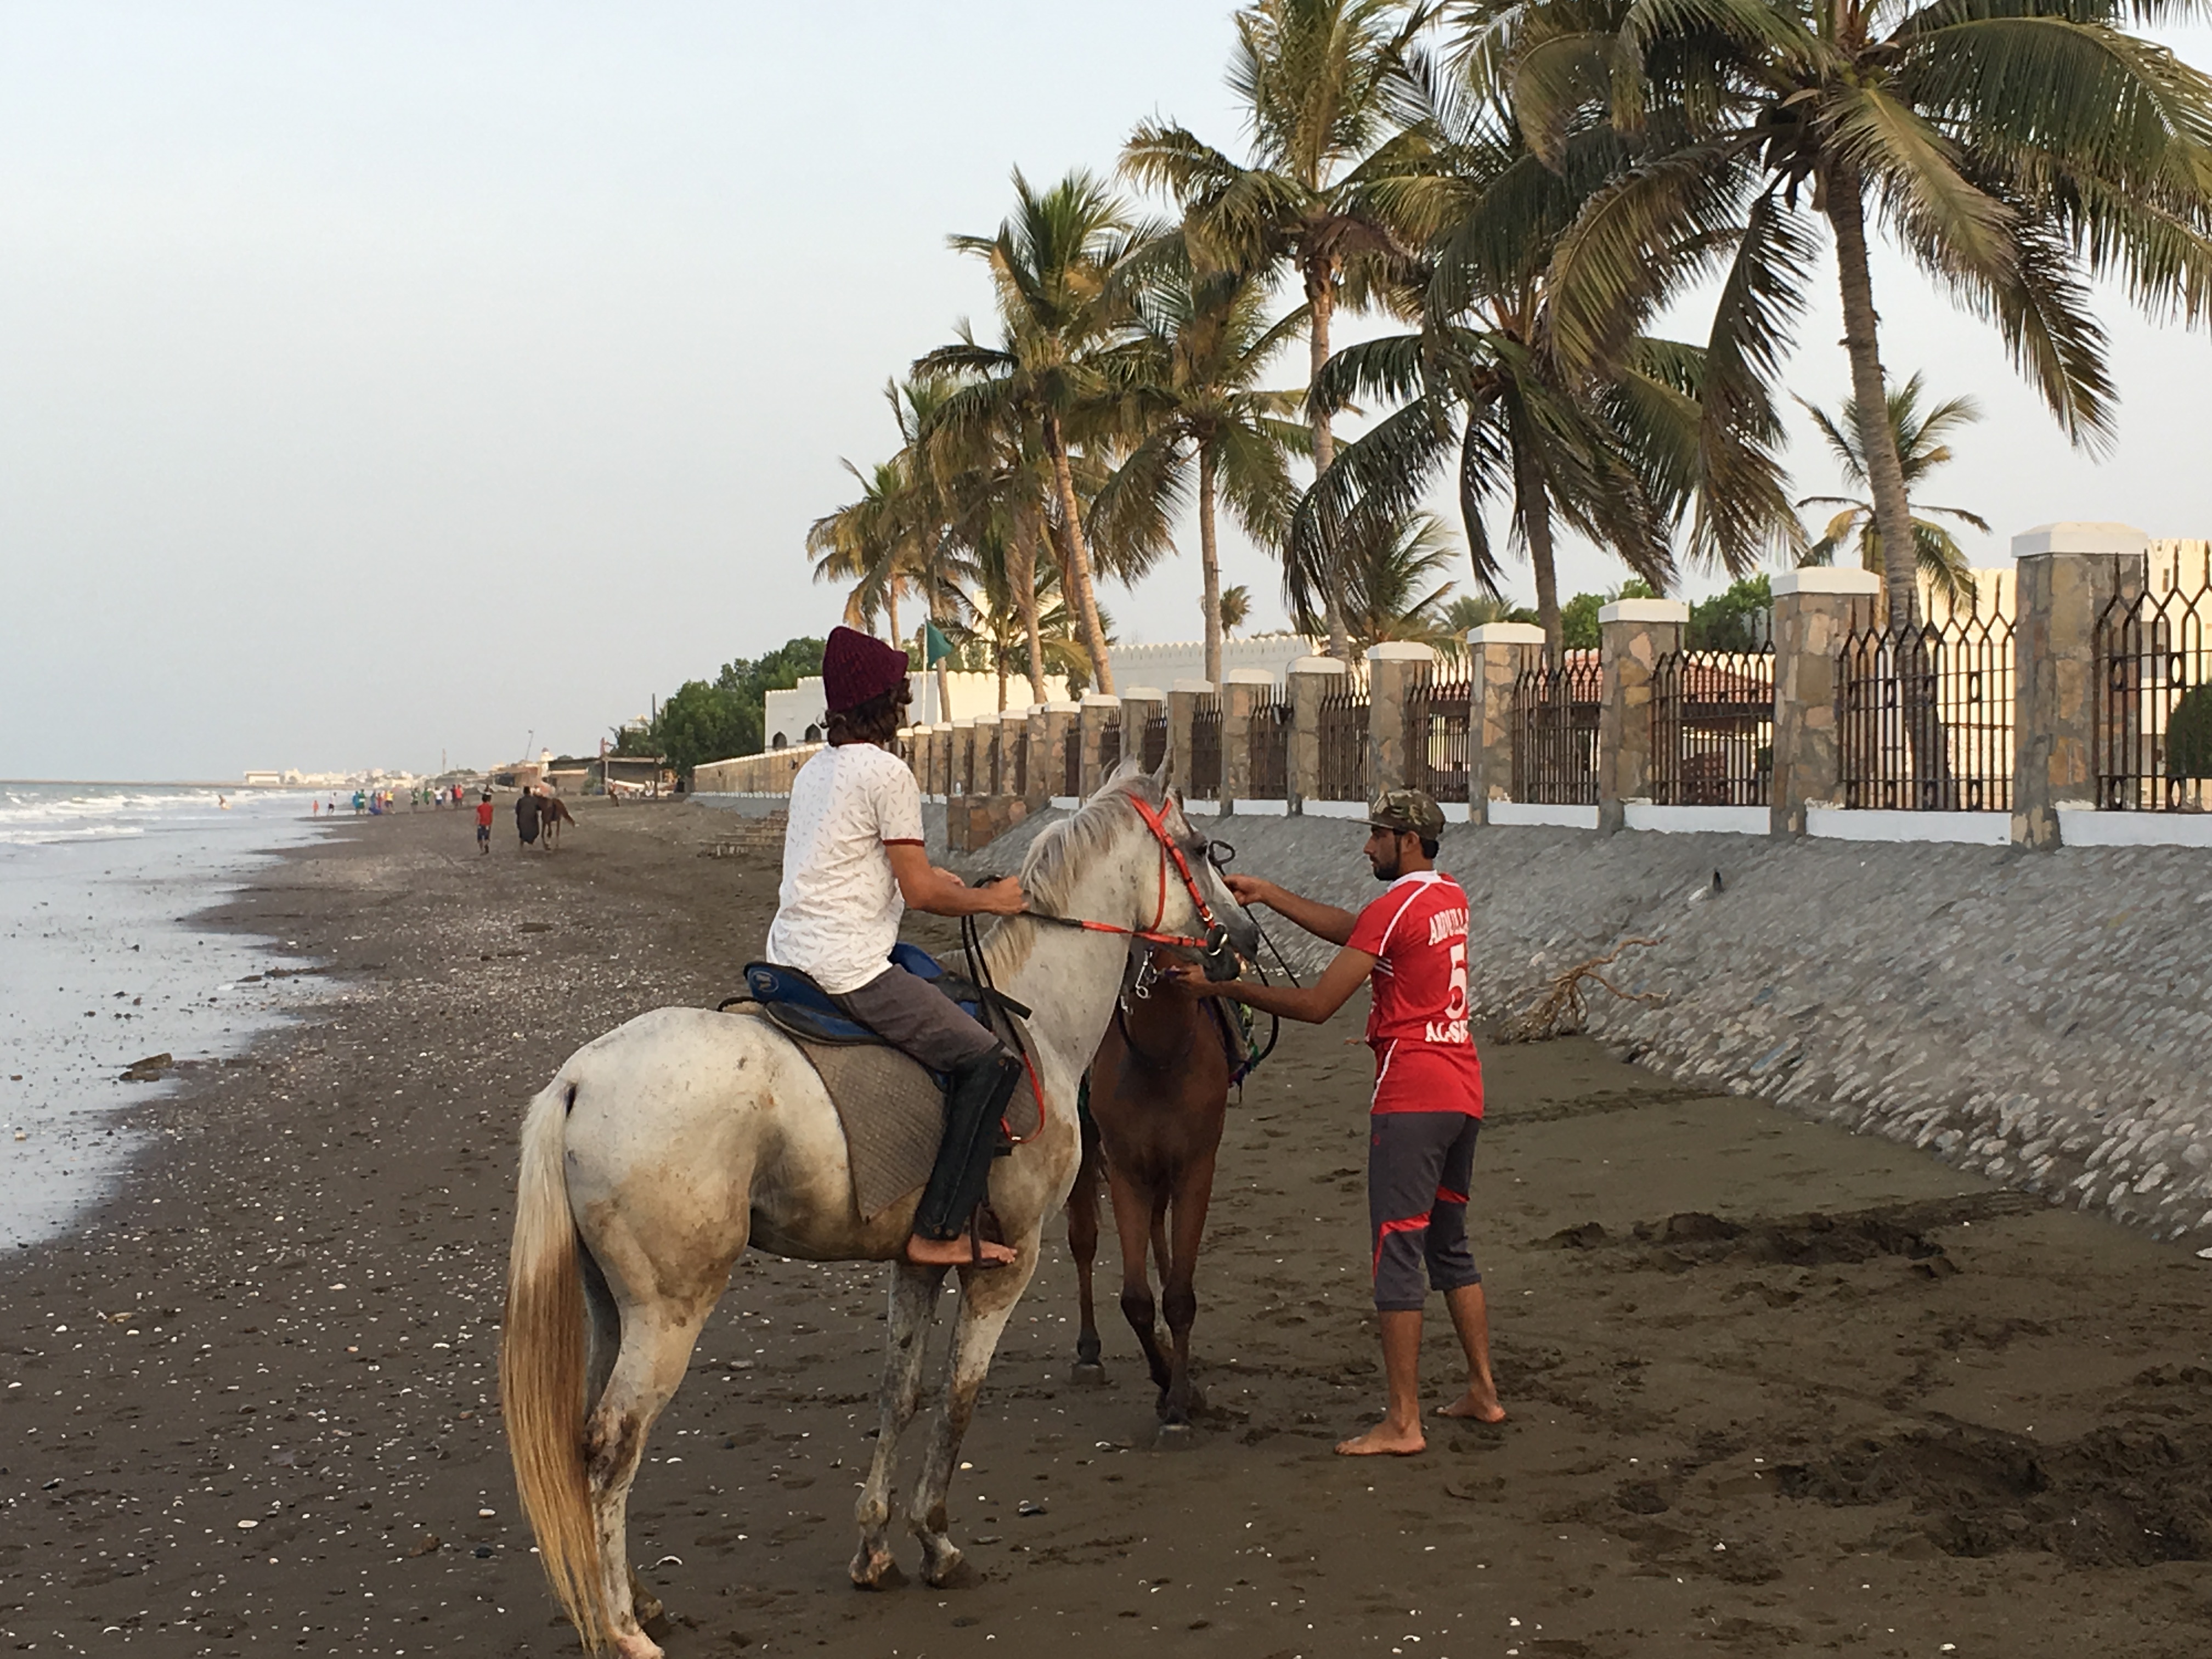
{"points": [[1419, 1167], [913, 1016]]}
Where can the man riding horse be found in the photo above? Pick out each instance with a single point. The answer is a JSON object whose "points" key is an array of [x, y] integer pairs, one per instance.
{"points": [[853, 861]]}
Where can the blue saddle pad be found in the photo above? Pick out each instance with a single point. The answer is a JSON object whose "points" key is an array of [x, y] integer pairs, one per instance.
{"points": [[800, 1005]]}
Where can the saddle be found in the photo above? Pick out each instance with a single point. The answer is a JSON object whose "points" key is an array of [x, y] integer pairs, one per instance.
{"points": [[889, 1105], [803, 1008]]}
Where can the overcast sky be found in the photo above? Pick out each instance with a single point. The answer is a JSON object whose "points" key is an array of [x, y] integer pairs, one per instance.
{"points": [[381, 385]]}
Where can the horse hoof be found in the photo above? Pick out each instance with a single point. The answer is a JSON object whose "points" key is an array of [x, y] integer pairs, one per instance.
{"points": [[1173, 1437], [874, 1569], [1090, 1373], [949, 1570], [656, 1624]]}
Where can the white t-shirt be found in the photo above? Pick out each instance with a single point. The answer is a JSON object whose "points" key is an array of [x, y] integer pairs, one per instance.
{"points": [[838, 910]]}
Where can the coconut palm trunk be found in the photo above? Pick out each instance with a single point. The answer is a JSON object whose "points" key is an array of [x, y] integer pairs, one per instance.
{"points": [[1078, 556], [1915, 658], [1893, 514], [1321, 297], [1025, 557], [1535, 504], [1209, 560]]}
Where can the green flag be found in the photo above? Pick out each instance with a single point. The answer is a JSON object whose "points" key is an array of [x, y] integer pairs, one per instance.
{"points": [[935, 648]]}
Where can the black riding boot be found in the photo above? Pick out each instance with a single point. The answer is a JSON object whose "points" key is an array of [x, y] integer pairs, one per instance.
{"points": [[974, 1105]]}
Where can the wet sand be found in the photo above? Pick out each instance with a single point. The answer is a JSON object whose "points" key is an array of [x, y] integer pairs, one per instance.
{"points": [[1776, 1390]]}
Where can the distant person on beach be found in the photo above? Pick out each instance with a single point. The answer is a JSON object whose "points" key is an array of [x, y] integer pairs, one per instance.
{"points": [[1410, 945], [853, 861], [525, 816], [484, 810]]}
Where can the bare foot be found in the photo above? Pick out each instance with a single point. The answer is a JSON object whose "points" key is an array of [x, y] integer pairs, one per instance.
{"points": [[953, 1252], [1384, 1441], [1480, 1406]]}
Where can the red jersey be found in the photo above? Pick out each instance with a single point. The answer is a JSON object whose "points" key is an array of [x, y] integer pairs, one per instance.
{"points": [[484, 813], [1425, 1057]]}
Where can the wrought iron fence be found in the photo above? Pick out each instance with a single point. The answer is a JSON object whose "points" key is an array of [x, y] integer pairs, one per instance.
{"points": [[1268, 738], [1343, 717], [2154, 698], [1071, 762], [1153, 740], [1924, 715], [1436, 754], [1206, 750], [1712, 729], [1014, 774], [1110, 745], [1555, 715]]}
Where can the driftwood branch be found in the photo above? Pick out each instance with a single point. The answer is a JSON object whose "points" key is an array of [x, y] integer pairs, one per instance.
{"points": [[1559, 1011]]}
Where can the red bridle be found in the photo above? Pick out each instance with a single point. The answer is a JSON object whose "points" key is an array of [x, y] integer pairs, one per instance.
{"points": [[1158, 824], [1155, 822]]}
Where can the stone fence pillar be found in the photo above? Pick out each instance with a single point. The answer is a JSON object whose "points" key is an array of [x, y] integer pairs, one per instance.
{"points": [[1138, 704], [1097, 711], [936, 742], [1497, 655], [1813, 611], [1013, 759], [1052, 734], [1394, 669], [1632, 636], [1309, 680], [988, 756], [965, 760], [2068, 572], [1242, 690], [1184, 699]]}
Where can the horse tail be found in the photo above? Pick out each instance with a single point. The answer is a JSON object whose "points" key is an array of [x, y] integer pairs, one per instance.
{"points": [[542, 1368]]}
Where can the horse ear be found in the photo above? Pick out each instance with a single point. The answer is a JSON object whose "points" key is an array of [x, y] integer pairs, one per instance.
{"points": [[1158, 779]]}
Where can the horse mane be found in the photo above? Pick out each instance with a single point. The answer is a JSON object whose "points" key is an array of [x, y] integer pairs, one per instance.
{"points": [[1047, 872], [1063, 849]]}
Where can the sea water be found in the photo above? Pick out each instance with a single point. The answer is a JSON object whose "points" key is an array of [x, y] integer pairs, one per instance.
{"points": [[100, 967]]}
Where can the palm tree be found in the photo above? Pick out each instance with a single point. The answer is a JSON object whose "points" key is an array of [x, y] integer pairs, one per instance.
{"points": [[896, 537], [997, 630], [1053, 264], [1617, 454], [864, 543], [873, 541], [1235, 608], [2013, 149], [1184, 402], [1391, 590], [1322, 85], [1921, 450]]}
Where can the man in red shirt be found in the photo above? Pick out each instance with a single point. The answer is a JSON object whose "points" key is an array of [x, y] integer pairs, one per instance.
{"points": [[1410, 945]]}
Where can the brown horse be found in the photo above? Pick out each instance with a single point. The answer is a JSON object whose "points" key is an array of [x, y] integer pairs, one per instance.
{"points": [[554, 813], [1158, 1092]]}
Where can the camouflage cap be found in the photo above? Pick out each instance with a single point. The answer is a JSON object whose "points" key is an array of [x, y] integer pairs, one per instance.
{"points": [[1408, 811]]}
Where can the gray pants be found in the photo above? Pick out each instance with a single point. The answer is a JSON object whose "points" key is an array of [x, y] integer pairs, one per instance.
{"points": [[913, 1016], [1418, 1168]]}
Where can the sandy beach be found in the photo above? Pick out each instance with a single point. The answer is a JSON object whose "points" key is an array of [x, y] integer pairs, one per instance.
{"points": [[1775, 1389]]}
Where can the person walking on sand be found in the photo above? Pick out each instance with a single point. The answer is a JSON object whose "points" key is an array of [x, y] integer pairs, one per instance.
{"points": [[525, 816], [853, 861], [1410, 945], [484, 810]]}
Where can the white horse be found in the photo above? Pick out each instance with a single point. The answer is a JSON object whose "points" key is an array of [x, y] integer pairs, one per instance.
{"points": [[660, 1151]]}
